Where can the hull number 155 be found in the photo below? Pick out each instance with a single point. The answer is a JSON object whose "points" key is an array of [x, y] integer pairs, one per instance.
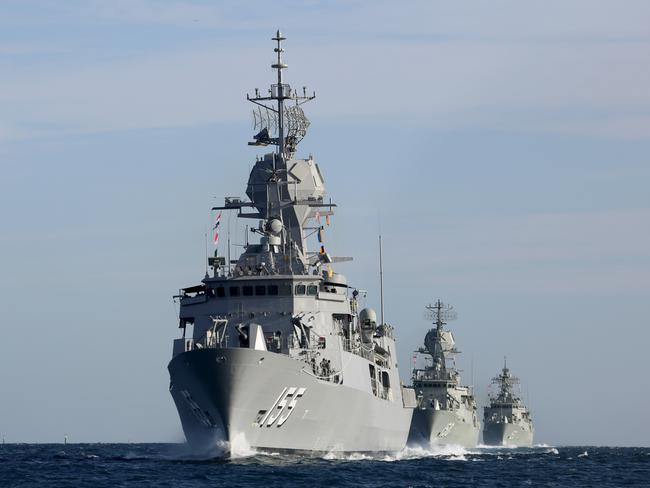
{"points": [[282, 407]]}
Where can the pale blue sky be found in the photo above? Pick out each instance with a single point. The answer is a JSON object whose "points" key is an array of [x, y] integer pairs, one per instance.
{"points": [[503, 144]]}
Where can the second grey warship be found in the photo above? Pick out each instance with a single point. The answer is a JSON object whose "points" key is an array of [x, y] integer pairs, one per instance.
{"points": [[507, 421], [446, 412], [276, 351]]}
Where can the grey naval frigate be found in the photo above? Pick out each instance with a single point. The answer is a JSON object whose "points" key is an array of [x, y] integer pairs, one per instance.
{"points": [[277, 352], [446, 413], [507, 421]]}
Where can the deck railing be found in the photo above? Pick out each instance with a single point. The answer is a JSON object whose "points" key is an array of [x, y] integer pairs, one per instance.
{"points": [[359, 349]]}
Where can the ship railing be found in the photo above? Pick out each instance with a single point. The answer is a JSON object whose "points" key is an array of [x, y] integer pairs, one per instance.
{"points": [[359, 349], [210, 342], [315, 364], [213, 338], [385, 330], [428, 375]]}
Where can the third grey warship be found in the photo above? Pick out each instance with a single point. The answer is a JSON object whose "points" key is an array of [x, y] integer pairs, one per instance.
{"points": [[276, 351], [446, 412], [507, 421]]}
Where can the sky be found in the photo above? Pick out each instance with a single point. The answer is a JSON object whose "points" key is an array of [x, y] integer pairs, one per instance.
{"points": [[500, 147]]}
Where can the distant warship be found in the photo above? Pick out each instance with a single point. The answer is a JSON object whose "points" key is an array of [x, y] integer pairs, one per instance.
{"points": [[446, 412], [507, 421], [275, 352]]}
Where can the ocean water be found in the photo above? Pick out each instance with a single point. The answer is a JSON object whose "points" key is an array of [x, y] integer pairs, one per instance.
{"points": [[171, 465]]}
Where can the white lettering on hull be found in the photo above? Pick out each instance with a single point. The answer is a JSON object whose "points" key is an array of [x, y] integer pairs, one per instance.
{"points": [[283, 406]]}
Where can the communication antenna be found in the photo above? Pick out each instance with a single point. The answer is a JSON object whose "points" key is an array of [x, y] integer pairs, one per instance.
{"points": [[205, 234], [381, 284], [440, 313], [229, 219], [472, 374]]}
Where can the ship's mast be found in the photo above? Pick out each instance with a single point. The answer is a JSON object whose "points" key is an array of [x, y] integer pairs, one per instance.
{"points": [[506, 383], [279, 66], [283, 202], [289, 122], [439, 313]]}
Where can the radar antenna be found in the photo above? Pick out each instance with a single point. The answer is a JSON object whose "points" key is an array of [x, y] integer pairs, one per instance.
{"points": [[440, 313], [283, 126]]}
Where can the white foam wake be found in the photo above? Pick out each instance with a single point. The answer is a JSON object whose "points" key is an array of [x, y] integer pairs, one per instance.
{"points": [[454, 453], [240, 447], [349, 456]]}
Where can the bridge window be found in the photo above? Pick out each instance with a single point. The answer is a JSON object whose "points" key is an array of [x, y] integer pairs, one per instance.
{"points": [[300, 289], [260, 290], [234, 291], [273, 290], [247, 291], [312, 290], [373, 379], [221, 291]]}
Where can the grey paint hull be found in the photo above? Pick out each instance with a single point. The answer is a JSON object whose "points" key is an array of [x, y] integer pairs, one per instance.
{"points": [[232, 395], [507, 434], [442, 427]]}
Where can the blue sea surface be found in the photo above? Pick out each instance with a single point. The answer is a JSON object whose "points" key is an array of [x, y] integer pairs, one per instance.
{"points": [[171, 465]]}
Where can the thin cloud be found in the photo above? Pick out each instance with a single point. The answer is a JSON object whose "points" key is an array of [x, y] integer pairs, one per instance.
{"points": [[570, 252], [433, 65]]}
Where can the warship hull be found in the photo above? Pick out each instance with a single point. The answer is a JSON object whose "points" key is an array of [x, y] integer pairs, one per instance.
{"points": [[507, 434], [442, 427], [267, 401]]}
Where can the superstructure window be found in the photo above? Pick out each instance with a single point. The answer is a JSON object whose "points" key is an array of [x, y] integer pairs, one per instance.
{"points": [[221, 291], [385, 379], [301, 289], [312, 290], [260, 290], [234, 291], [273, 290], [247, 291]]}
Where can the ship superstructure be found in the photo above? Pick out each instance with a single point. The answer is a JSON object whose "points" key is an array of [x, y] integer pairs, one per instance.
{"points": [[507, 421], [446, 412], [276, 352]]}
